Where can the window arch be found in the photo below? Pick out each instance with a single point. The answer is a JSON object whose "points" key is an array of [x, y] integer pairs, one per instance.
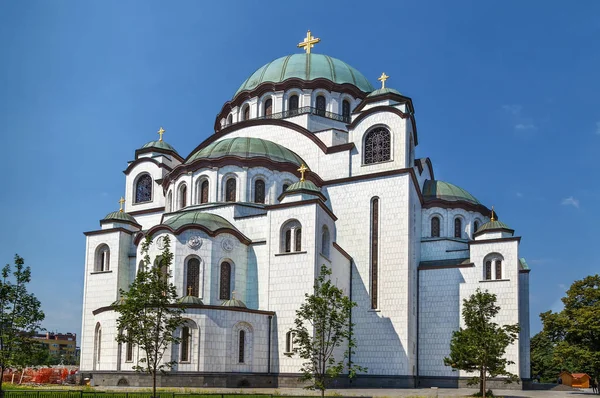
{"points": [[458, 227], [97, 344], [289, 342], [192, 277], [225, 281], [475, 226], [102, 262], [230, 188], [185, 347], [374, 251], [229, 119], [435, 227], [321, 105], [293, 105], [378, 145], [268, 107], [143, 189], [325, 241], [493, 267], [285, 186], [241, 346], [202, 190], [246, 113], [291, 237], [182, 194], [169, 206], [346, 110], [242, 340], [259, 191]]}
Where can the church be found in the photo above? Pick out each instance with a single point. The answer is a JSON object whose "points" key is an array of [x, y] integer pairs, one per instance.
{"points": [[309, 164]]}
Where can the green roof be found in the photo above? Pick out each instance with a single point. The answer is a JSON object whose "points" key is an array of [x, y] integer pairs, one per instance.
{"points": [[383, 91], [119, 216], [306, 67], [193, 300], [212, 222], [435, 189], [303, 185], [247, 148], [524, 265], [233, 302], [492, 225], [159, 144]]}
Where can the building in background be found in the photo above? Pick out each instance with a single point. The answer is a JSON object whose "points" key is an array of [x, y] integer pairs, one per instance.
{"points": [[60, 345]]}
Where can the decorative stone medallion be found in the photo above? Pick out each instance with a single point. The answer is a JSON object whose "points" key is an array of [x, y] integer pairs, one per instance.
{"points": [[160, 242], [227, 244], [194, 242]]}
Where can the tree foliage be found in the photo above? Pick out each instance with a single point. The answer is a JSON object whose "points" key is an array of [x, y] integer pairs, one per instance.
{"points": [[322, 327], [575, 331], [20, 317], [149, 314], [481, 345]]}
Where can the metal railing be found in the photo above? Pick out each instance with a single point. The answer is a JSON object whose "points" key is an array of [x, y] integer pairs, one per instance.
{"points": [[307, 110], [126, 394]]}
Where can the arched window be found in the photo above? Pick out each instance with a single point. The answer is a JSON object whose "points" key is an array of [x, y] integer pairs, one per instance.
{"points": [[285, 187], [488, 270], [378, 146], [102, 259], [346, 110], [457, 228], [374, 251], [185, 345], [475, 226], [97, 344], [259, 191], [193, 278], [289, 342], [182, 196], [321, 105], [241, 346], [164, 268], [435, 227], [169, 205], [229, 119], [204, 192], [498, 269], [325, 241], [246, 113], [128, 348], [293, 105], [291, 237], [225, 287], [143, 189], [230, 186], [268, 107]]}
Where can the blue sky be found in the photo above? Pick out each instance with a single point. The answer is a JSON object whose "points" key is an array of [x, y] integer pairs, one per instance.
{"points": [[505, 95]]}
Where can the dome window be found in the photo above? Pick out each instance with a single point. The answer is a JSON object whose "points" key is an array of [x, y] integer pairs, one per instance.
{"points": [[204, 192], [229, 119], [246, 113], [321, 105], [435, 227], [346, 110], [457, 228], [378, 146], [230, 186], [259, 191], [293, 105], [268, 107], [182, 196]]}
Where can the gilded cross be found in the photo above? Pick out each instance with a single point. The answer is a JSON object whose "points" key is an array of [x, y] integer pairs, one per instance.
{"points": [[121, 201], [382, 79], [303, 169], [309, 42], [189, 290], [493, 217], [161, 131]]}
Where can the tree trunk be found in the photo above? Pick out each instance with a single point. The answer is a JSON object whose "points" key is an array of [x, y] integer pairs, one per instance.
{"points": [[1, 379], [483, 388], [153, 384]]}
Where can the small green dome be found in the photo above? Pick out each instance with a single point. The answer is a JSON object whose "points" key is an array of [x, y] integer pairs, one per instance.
{"points": [[190, 300], [493, 225], [383, 91], [306, 67], [247, 148], [233, 302], [119, 216], [434, 189], [303, 185], [159, 144], [212, 222]]}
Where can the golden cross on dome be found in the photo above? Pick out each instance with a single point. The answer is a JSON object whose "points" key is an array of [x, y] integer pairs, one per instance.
{"points": [[309, 42], [121, 201], [303, 169], [161, 131], [493, 217], [189, 290], [382, 79]]}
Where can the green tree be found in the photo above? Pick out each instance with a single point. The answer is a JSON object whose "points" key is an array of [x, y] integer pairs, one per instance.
{"points": [[322, 326], [575, 330], [20, 316], [149, 314], [481, 345]]}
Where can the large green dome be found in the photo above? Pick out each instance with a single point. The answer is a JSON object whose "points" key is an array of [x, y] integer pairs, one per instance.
{"points": [[435, 189], [247, 148], [306, 67]]}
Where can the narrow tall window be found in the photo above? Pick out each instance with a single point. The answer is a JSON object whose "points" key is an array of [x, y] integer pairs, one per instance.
{"points": [[143, 189], [268, 107], [346, 110], [288, 241], [185, 344], [435, 227], [498, 269], [321, 105], [182, 196], [204, 192], [285, 187], [293, 105], [98, 343], [374, 251], [169, 205], [193, 278], [457, 228], [128, 348], [325, 242], [230, 190], [229, 119], [298, 236], [241, 346], [102, 259], [247, 113], [225, 288], [475, 226], [488, 270], [377, 146], [289, 341], [259, 191]]}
